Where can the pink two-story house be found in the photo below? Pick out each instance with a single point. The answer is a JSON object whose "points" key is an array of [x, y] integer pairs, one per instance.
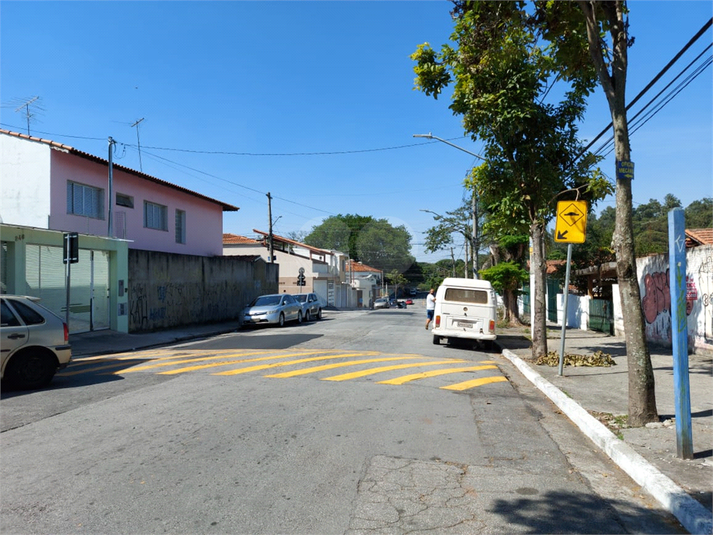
{"points": [[49, 185]]}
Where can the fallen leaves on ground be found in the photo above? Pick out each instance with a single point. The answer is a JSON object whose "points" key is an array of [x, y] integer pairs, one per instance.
{"points": [[598, 359]]}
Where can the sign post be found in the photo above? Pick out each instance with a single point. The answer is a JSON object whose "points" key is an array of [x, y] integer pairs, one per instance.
{"points": [[571, 227], [679, 332], [70, 256]]}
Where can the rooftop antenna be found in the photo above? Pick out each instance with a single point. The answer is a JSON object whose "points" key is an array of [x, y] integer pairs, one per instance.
{"points": [[26, 105], [138, 142]]}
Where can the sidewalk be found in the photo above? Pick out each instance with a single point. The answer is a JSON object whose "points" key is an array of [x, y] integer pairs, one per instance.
{"points": [[648, 455], [590, 395]]}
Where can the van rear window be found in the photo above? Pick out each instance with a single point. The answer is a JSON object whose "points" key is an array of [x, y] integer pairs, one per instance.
{"points": [[465, 295]]}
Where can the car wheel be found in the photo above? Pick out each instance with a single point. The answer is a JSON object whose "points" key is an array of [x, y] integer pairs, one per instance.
{"points": [[299, 317], [436, 340], [319, 314], [308, 317], [282, 319], [31, 369]]}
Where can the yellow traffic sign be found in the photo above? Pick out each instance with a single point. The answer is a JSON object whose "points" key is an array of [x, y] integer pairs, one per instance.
{"points": [[571, 225]]}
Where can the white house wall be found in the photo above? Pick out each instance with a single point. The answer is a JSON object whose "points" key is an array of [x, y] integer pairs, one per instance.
{"points": [[24, 172]]}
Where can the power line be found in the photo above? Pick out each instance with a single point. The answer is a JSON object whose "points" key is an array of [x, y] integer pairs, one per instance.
{"points": [[651, 83]]}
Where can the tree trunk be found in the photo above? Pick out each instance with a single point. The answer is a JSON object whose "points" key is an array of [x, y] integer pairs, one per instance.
{"points": [[537, 266], [512, 315], [642, 398]]}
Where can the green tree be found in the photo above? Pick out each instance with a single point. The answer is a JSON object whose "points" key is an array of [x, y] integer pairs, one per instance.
{"points": [[374, 242], [506, 278], [465, 221], [338, 233], [588, 43], [396, 279], [500, 75], [699, 214]]}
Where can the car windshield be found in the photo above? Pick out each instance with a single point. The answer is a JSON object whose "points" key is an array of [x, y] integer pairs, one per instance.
{"points": [[266, 301], [302, 298]]}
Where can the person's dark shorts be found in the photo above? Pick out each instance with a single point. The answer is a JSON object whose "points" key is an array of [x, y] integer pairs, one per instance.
{"points": [[429, 314]]}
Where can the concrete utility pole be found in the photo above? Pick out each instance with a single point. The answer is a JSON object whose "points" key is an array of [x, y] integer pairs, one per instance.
{"points": [[270, 240], [110, 225]]}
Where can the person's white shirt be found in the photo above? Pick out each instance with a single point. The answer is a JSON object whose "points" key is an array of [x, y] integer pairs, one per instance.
{"points": [[430, 302]]}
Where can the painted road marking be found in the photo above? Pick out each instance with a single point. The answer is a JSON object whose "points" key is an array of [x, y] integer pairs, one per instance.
{"points": [[372, 371], [475, 382], [316, 369], [185, 361], [433, 373]]}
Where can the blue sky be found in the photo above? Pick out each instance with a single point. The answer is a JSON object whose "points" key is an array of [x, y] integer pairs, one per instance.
{"points": [[273, 80]]}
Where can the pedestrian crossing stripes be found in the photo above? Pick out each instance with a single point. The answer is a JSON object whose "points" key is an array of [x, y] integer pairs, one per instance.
{"points": [[459, 374]]}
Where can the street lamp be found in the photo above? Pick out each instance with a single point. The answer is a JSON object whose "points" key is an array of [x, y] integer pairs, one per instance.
{"points": [[431, 136], [475, 215]]}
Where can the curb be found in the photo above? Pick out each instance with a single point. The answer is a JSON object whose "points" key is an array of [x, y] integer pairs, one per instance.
{"points": [[690, 513]]}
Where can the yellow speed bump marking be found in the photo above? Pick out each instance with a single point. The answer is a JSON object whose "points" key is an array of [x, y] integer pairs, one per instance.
{"points": [[221, 358], [291, 362], [433, 373], [240, 361], [110, 363], [315, 369], [475, 382], [372, 371]]}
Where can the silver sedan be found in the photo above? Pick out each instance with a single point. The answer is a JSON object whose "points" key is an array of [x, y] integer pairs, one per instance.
{"points": [[272, 309]]}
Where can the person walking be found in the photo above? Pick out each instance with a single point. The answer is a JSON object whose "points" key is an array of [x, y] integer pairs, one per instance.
{"points": [[430, 306]]}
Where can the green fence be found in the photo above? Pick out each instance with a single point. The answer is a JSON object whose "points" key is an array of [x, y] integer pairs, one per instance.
{"points": [[601, 316]]}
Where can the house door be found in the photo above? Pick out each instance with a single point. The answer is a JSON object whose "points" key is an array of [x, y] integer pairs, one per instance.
{"points": [[89, 281]]}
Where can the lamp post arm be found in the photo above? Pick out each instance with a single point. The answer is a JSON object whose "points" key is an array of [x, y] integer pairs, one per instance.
{"points": [[431, 136]]}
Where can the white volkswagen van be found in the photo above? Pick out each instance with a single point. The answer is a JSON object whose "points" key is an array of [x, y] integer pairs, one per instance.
{"points": [[465, 308]]}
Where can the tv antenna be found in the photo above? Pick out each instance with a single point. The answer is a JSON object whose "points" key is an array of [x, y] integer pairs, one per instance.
{"points": [[28, 115], [138, 142]]}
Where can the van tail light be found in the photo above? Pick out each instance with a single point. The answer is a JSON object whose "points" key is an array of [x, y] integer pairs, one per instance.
{"points": [[491, 327], [438, 321], [66, 333]]}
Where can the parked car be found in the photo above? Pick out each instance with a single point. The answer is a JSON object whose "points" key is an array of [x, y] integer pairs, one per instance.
{"points": [[381, 302], [409, 301], [272, 309], [395, 303], [34, 343], [311, 306]]}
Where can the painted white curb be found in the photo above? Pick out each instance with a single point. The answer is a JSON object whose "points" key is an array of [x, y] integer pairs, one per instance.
{"points": [[694, 517]]}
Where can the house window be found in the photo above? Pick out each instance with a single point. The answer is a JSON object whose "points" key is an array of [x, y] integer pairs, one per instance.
{"points": [[124, 200], [155, 216], [85, 200], [180, 226]]}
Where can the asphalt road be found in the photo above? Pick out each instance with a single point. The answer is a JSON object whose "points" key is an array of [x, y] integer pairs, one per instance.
{"points": [[354, 424]]}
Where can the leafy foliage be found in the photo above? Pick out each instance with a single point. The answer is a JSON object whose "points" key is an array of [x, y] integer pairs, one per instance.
{"points": [[374, 242]]}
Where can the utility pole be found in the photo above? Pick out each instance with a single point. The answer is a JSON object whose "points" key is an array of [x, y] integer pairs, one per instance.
{"points": [[269, 216], [476, 239], [110, 229], [138, 142]]}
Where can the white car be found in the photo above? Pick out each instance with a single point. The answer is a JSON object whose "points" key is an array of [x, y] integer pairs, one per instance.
{"points": [[272, 309], [34, 343]]}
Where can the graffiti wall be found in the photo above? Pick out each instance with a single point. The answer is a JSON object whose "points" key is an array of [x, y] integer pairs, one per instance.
{"points": [[169, 290], [654, 281]]}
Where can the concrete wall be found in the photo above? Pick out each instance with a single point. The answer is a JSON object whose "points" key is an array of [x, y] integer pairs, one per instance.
{"points": [[653, 272], [169, 290]]}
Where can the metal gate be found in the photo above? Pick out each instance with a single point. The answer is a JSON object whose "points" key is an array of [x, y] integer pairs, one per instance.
{"points": [[89, 283], [601, 315]]}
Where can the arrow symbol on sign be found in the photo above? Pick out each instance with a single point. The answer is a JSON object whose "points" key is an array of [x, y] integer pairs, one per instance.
{"points": [[562, 235]]}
